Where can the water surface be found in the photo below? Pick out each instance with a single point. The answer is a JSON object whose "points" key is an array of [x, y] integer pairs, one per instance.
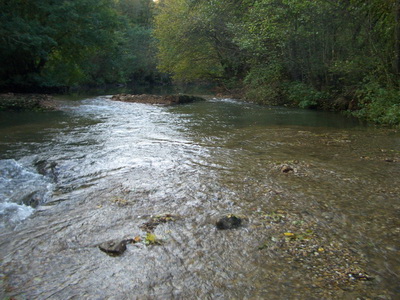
{"points": [[97, 170]]}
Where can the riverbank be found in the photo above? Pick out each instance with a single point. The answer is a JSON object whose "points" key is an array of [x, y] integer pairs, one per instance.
{"points": [[369, 102], [25, 102], [49, 102]]}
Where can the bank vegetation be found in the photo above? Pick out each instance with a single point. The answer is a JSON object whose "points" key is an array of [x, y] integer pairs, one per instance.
{"points": [[339, 55]]}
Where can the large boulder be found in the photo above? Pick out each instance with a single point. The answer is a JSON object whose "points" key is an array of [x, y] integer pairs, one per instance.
{"points": [[156, 99]]}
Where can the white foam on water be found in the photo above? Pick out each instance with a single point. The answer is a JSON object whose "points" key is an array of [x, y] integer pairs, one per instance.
{"points": [[13, 213], [20, 187]]}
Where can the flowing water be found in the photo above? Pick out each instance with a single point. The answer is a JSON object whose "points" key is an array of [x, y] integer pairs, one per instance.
{"points": [[318, 193]]}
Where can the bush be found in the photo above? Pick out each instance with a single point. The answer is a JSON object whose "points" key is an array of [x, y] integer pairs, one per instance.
{"points": [[379, 105], [303, 95], [263, 84]]}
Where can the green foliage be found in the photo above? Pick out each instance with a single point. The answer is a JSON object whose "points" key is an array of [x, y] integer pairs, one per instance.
{"points": [[137, 12], [60, 71], [131, 59], [280, 50], [69, 42], [264, 84], [286, 50], [36, 34], [303, 95], [196, 40], [379, 105], [152, 239], [183, 49]]}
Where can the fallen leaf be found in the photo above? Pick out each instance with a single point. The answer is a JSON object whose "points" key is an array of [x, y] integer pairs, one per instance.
{"points": [[289, 234]]}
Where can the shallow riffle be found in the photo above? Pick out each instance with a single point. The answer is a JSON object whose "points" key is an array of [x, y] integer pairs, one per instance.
{"points": [[318, 194]]}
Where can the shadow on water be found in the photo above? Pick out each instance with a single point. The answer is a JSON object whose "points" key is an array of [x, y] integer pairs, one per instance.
{"points": [[318, 194], [240, 114]]}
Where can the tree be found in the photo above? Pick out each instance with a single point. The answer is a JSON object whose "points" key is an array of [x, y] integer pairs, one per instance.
{"points": [[68, 42], [38, 37], [131, 58], [196, 39]]}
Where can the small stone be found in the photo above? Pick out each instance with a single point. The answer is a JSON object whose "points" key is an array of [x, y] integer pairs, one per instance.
{"points": [[229, 222], [113, 248], [286, 169]]}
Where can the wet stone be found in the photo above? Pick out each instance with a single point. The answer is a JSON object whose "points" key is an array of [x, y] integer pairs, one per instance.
{"points": [[113, 248], [151, 224], [229, 222], [287, 169], [48, 169]]}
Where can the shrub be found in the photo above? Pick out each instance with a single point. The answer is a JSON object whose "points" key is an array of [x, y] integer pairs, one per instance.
{"points": [[263, 84], [379, 105], [304, 95]]}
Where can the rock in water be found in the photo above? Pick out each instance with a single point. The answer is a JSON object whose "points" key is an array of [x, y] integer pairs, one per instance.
{"points": [[287, 169], [229, 222], [113, 248]]}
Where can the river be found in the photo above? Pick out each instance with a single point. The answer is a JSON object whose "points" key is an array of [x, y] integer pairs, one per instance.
{"points": [[318, 193]]}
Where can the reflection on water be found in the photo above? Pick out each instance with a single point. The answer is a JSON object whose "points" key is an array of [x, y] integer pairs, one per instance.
{"points": [[114, 164]]}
